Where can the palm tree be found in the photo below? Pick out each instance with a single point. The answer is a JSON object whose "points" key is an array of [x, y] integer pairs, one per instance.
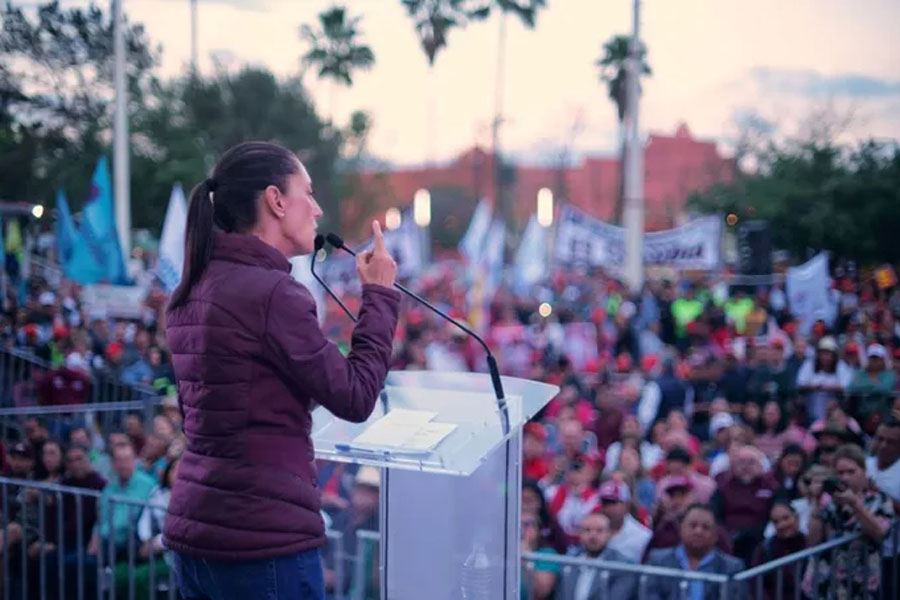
{"points": [[335, 49], [613, 71], [435, 18]]}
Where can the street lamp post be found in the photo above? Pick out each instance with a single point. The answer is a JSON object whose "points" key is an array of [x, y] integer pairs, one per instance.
{"points": [[633, 217], [120, 135]]}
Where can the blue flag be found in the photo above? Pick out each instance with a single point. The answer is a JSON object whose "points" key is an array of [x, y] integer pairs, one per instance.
{"points": [[75, 257], [98, 227], [66, 233]]}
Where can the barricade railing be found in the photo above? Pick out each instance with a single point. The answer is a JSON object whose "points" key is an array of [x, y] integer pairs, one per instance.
{"points": [[76, 543], [46, 555], [629, 579], [48, 550], [796, 575], [769, 580], [21, 375]]}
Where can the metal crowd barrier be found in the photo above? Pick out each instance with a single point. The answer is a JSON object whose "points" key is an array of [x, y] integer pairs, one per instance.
{"points": [[67, 570], [110, 401], [766, 581], [647, 576], [116, 570], [36, 565]]}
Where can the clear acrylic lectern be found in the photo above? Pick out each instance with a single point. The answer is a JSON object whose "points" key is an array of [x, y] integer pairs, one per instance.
{"points": [[449, 515]]}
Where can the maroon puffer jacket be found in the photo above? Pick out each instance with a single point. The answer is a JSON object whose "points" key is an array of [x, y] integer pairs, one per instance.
{"points": [[250, 359]]}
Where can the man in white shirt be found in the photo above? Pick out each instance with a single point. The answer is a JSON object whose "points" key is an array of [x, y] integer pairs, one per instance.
{"points": [[884, 467], [884, 470], [629, 537]]}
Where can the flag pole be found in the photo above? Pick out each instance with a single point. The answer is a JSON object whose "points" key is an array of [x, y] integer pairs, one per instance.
{"points": [[120, 133]]}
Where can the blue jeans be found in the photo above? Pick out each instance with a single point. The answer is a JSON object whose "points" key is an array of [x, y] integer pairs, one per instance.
{"points": [[292, 577]]}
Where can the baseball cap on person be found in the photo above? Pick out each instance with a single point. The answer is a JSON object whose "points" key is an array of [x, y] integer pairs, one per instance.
{"points": [[614, 491], [876, 351], [828, 343], [47, 299], [537, 430], [720, 421], [21, 449], [368, 476], [676, 481]]}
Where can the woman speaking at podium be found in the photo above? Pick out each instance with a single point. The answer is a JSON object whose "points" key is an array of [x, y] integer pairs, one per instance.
{"points": [[250, 360]]}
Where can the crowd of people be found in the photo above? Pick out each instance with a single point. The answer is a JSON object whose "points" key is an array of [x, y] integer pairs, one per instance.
{"points": [[699, 426]]}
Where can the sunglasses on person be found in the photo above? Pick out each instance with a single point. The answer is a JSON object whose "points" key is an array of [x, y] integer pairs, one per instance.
{"points": [[827, 449]]}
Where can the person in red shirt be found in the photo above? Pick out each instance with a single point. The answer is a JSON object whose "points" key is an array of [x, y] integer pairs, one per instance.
{"points": [[608, 422], [534, 452]]}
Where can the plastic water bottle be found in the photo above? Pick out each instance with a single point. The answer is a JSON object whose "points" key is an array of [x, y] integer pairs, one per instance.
{"points": [[478, 575]]}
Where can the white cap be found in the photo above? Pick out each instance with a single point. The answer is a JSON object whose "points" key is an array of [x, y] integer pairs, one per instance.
{"points": [[368, 476], [47, 299], [876, 351], [627, 310], [720, 421], [828, 343]]}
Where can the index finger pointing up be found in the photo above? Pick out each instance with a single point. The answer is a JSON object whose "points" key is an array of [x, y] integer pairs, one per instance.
{"points": [[379, 237]]}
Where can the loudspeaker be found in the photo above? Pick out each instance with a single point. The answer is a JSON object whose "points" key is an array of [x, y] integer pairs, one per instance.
{"points": [[754, 248]]}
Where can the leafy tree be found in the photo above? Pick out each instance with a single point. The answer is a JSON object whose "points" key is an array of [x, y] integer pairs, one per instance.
{"points": [[56, 92], [194, 120], [820, 196]]}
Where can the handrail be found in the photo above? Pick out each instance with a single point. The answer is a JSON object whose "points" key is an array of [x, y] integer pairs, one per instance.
{"points": [[77, 491], [59, 409], [795, 557], [623, 566]]}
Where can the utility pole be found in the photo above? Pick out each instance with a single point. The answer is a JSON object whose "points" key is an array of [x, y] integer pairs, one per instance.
{"points": [[120, 136], [194, 36], [633, 217]]}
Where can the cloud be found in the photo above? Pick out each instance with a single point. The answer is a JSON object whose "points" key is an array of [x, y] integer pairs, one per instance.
{"points": [[807, 82]]}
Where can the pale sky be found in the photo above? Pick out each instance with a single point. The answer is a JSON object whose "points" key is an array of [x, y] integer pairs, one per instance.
{"points": [[712, 60]]}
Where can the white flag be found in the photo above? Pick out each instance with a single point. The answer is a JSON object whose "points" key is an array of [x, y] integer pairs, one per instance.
{"points": [[171, 242], [530, 267], [808, 289], [474, 240], [492, 258]]}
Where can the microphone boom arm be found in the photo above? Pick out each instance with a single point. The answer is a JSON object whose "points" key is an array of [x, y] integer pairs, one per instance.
{"points": [[337, 242], [319, 243]]}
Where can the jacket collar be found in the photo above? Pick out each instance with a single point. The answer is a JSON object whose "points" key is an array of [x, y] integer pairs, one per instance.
{"points": [[248, 250]]}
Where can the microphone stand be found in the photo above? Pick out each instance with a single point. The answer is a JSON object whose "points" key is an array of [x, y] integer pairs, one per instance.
{"points": [[336, 241], [319, 244]]}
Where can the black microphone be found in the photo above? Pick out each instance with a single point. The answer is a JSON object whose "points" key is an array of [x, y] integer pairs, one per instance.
{"points": [[336, 241], [319, 244]]}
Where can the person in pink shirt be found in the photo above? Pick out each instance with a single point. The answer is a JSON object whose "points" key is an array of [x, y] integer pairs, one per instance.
{"points": [[678, 464]]}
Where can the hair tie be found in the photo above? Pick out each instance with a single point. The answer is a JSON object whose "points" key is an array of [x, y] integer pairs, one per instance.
{"points": [[211, 185]]}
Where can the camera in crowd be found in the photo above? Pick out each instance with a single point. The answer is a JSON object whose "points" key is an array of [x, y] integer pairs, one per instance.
{"points": [[833, 484]]}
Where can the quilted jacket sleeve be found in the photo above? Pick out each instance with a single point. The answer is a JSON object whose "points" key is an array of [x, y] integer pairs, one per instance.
{"points": [[346, 386]]}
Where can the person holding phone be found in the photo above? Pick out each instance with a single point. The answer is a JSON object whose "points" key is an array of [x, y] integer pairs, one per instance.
{"points": [[849, 505]]}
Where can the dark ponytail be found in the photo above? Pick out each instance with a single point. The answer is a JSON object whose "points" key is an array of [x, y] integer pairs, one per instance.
{"points": [[227, 201], [198, 240]]}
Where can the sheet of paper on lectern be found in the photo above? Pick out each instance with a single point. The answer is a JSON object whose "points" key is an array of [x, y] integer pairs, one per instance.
{"points": [[405, 430]]}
